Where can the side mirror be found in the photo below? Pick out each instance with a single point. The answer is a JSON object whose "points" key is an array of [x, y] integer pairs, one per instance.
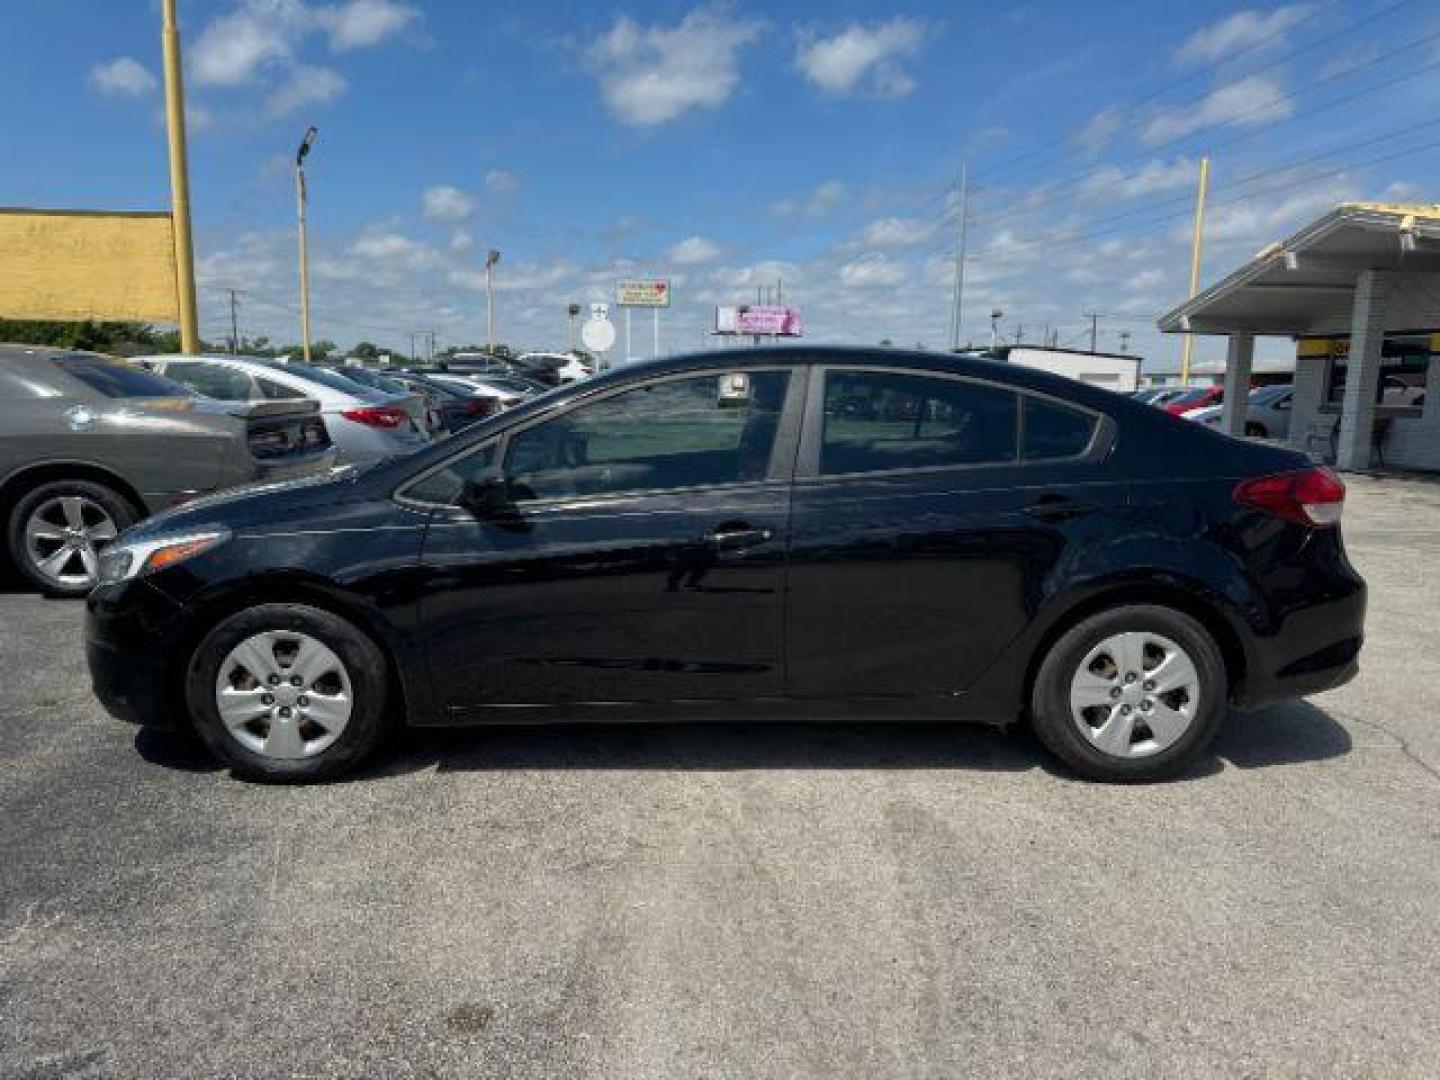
{"points": [[488, 498]]}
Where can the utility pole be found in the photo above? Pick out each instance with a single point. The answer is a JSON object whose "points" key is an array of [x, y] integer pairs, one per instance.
{"points": [[302, 199], [1124, 341], [412, 346], [995, 316], [957, 301], [179, 182], [573, 310], [1094, 332], [1197, 240], [234, 325], [1019, 332]]}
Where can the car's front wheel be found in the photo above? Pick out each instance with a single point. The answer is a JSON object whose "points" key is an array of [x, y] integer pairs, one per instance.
{"points": [[288, 692], [56, 532], [1133, 693]]}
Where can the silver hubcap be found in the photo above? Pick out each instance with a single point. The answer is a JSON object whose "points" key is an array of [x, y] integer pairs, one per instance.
{"points": [[1134, 694], [283, 694], [63, 537]]}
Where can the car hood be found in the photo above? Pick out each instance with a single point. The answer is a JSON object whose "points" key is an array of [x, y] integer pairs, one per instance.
{"points": [[240, 507]]}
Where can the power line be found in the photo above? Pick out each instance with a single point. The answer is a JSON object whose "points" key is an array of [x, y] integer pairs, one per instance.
{"points": [[1228, 61], [1251, 178], [1054, 240], [1069, 195]]}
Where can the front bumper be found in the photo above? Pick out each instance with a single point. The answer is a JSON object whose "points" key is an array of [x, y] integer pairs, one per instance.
{"points": [[132, 636]]}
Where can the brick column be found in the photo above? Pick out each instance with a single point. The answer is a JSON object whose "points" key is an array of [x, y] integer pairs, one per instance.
{"points": [[1367, 332], [1239, 359]]}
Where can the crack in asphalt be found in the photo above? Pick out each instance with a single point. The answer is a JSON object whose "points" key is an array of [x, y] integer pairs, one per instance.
{"points": [[1402, 744]]}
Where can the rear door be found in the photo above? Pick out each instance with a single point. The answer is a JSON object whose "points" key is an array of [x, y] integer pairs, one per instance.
{"points": [[930, 514], [641, 555]]}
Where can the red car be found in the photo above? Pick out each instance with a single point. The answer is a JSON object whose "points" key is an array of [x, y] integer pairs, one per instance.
{"points": [[1200, 398]]}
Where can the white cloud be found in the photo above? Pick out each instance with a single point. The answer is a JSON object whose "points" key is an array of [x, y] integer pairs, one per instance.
{"points": [[1098, 131], [825, 198], [693, 251], [501, 181], [446, 203], [123, 77], [235, 48], [650, 75], [894, 232], [1146, 280], [362, 23], [307, 86], [1255, 99], [863, 59], [394, 248], [461, 241], [1149, 179], [873, 273], [1243, 30]]}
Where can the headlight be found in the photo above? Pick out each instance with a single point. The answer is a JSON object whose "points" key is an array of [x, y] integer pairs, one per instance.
{"points": [[123, 561]]}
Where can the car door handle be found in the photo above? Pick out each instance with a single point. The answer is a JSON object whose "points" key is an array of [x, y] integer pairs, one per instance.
{"points": [[1055, 507], [736, 536]]}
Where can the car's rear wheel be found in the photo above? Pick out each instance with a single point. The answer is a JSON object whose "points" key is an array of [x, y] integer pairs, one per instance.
{"points": [[56, 532], [1133, 693], [288, 692], [1255, 430]]}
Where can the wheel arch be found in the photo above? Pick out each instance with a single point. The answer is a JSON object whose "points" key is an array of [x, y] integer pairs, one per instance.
{"points": [[28, 477], [1156, 591], [289, 588]]}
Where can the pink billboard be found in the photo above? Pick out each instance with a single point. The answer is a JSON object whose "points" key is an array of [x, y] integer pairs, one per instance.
{"points": [[759, 320]]}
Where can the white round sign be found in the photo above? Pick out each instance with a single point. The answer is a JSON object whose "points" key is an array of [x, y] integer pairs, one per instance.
{"points": [[598, 335]]}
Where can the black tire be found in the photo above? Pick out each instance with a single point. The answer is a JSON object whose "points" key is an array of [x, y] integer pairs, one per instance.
{"points": [[1256, 431], [368, 724], [1050, 698], [121, 513]]}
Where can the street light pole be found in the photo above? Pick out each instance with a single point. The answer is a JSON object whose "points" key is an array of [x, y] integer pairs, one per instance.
{"points": [[301, 199], [491, 258], [179, 183]]}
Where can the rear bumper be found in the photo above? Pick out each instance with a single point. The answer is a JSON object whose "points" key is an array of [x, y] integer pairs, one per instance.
{"points": [[132, 631], [1317, 649]]}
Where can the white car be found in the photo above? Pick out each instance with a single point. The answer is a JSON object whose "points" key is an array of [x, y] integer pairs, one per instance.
{"points": [[364, 424], [565, 365]]}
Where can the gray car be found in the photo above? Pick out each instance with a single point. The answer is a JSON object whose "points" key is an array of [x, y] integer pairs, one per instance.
{"points": [[89, 445], [1267, 412], [366, 425]]}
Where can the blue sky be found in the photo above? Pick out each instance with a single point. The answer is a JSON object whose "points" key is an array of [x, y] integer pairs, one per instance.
{"points": [[726, 145]]}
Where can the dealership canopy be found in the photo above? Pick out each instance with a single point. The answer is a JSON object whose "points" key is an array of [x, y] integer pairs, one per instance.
{"points": [[1306, 283]]}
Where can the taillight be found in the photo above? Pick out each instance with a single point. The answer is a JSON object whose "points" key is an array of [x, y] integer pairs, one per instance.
{"points": [[1312, 496], [379, 416], [480, 406]]}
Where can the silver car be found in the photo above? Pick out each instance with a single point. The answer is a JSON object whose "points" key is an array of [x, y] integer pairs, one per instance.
{"points": [[365, 425], [89, 445], [1267, 412]]}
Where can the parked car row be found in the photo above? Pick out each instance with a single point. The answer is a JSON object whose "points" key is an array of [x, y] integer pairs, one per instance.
{"points": [[90, 444]]}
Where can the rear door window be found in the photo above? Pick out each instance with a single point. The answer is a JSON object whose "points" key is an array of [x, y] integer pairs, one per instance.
{"points": [[879, 421]]}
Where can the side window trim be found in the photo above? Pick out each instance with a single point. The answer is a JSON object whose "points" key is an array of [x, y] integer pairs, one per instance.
{"points": [[807, 465], [783, 455]]}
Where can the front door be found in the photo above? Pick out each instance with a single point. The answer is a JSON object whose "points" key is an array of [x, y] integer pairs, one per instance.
{"points": [[638, 553]]}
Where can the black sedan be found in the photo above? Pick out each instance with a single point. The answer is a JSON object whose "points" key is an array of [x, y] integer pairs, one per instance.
{"points": [[725, 536]]}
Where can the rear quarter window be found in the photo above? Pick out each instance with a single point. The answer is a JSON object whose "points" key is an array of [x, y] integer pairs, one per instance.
{"points": [[116, 379], [1055, 431]]}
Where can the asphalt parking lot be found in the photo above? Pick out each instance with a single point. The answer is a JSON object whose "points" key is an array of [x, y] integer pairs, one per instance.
{"points": [[737, 900]]}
